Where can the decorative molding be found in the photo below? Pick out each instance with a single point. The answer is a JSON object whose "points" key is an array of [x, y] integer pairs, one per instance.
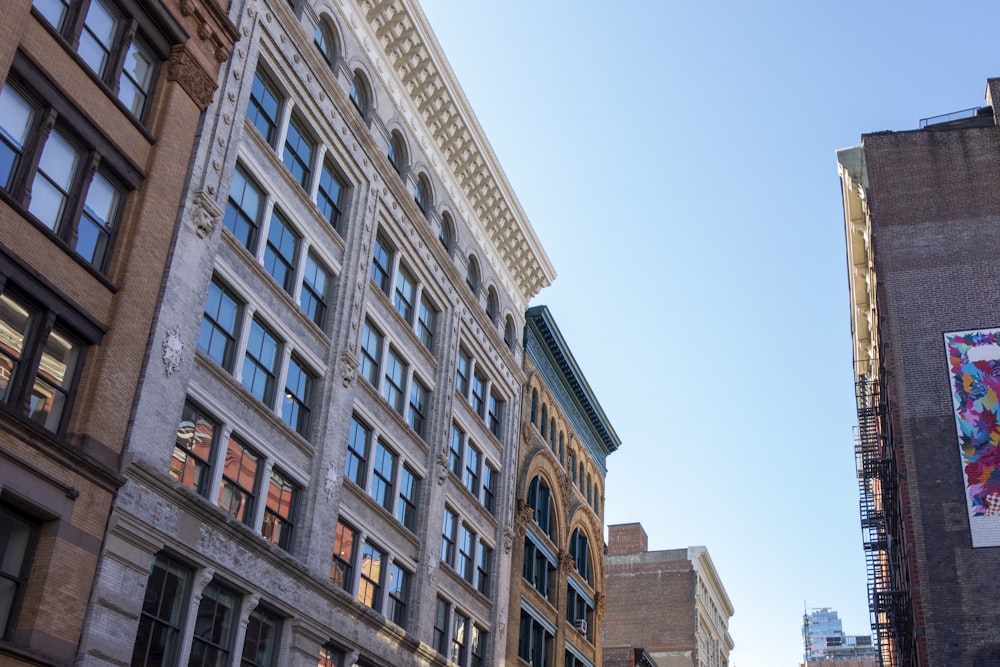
{"points": [[205, 214], [522, 515], [173, 349], [183, 68], [349, 368]]}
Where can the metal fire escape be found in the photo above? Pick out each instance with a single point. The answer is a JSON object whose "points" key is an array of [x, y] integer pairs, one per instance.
{"points": [[881, 525]]}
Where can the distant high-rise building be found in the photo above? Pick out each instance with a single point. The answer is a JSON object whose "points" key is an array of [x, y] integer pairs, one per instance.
{"points": [[922, 219], [824, 638]]}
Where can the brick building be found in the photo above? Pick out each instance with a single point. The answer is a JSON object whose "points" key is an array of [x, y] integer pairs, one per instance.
{"points": [[921, 211], [321, 465], [559, 597], [100, 102], [672, 603]]}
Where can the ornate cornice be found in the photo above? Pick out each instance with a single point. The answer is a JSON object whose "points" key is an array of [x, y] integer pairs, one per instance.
{"points": [[424, 75], [184, 68]]}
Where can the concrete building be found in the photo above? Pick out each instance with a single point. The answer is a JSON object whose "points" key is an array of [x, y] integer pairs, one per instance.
{"points": [[921, 211], [671, 602], [559, 599], [824, 639], [321, 463], [99, 103]]}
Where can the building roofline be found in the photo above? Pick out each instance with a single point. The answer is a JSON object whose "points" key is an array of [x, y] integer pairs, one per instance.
{"points": [[543, 325]]}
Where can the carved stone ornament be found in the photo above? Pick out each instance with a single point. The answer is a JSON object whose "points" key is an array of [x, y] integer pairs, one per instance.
{"points": [[522, 516], [348, 369], [173, 348], [185, 70], [508, 540], [330, 483], [565, 561], [205, 214], [442, 468]]}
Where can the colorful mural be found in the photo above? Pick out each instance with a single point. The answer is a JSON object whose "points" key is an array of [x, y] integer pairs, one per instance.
{"points": [[974, 368]]}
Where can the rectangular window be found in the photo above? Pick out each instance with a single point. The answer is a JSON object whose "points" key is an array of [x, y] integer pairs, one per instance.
{"points": [[406, 294], [535, 642], [395, 379], [213, 627], [455, 450], [441, 616], [478, 397], [260, 645], [244, 210], [381, 264], [355, 466], [426, 318], [399, 595], [239, 481], [39, 362], [219, 324], [263, 110], [18, 536], [17, 118], [329, 193], [279, 512], [162, 613], [418, 405], [487, 491], [383, 472], [495, 414], [409, 489], [537, 568], [297, 401], [462, 369], [484, 565], [193, 449], [280, 252], [371, 353], [315, 290], [342, 567], [459, 639], [370, 585], [472, 459], [137, 77], [299, 149], [478, 648], [448, 535], [260, 365], [466, 546]]}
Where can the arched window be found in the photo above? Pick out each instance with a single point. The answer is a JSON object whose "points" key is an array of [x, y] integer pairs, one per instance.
{"points": [[492, 304], [422, 194], [540, 501], [397, 152], [552, 434], [579, 550], [534, 406], [590, 489], [510, 333], [324, 41], [597, 498], [545, 419], [447, 234], [359, 93], [562, 449], [472, 276]]}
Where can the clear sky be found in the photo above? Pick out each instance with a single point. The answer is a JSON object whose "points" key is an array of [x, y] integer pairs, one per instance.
{"points": [[677, 162]]}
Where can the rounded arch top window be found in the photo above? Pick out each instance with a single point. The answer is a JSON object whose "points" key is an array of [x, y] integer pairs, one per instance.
{"points": [[359, 92], [397, 151], [580, 551], [534, 406], [447, 233], [472, 276], [540, 501], [510, 333], [325, 42], [492, 304], [422, 194]]}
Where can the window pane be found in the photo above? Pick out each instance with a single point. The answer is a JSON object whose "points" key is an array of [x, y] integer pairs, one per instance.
{"points": [[282, 248], [56, 371], [243, 212], [53, 10], [296, 403], [341, 570], [383, 473], [52, 182], [261, 363], [162, 609], [239, 481], [213, 627], [263, 109], [298, 153], [313, 297], [277, 526], [370, 586], [136, 81], [97, 221], [328, 195], [193, 449], [261, 640], [97, 36], [13, 325], [371, 353], [217, 337], [15, 120], [395, 377]]}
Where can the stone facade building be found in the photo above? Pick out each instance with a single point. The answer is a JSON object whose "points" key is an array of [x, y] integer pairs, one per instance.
{"points": [[670, 602], [320, 468], [558, 599], [921, 211], [100, 101]]}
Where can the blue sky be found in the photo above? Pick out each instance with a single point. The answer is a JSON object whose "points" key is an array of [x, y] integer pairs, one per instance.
{"points": [[677, 162]]}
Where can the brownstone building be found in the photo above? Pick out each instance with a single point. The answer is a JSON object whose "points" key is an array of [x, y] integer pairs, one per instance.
{"points": [[99, 105], [922, 209], [671, 602], [558, 602]]}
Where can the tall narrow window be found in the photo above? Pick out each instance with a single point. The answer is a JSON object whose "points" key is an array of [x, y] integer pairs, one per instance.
{"points": [[162, 613], [409, 488], [281, 251], [279, 511], [472, 459], [466, 546], [510, 335], [193, 449], [329, 193], [425, 323], [98, 35], [239, 481], [342, 567], [57, 169], [260, 644], [136, 81], [217, 337], [456, 444], [357, 452], [359, 93], [370, 585], [495, 414], [478, 647], [488, 489], [397, 152], [418, 406], [446, 235], [406, 294], [472, 274], [540, 500], [459, 639], [492, 304], [323, 39], [260, 365], [484, 565], [371, 353], [263, 110], [579, 550], [462, 371], [246, 203], [478, 397], [381, 264], [395, 378], [399, 595], [442, 615], [422, 194], [297, 401], [18, 535], [16, 118], [315, 290], [213, 627], [299, 150], [448, 536], [383, 474]]}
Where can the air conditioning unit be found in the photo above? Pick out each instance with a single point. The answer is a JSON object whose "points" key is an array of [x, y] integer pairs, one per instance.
{"points": [[581, 625]]}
